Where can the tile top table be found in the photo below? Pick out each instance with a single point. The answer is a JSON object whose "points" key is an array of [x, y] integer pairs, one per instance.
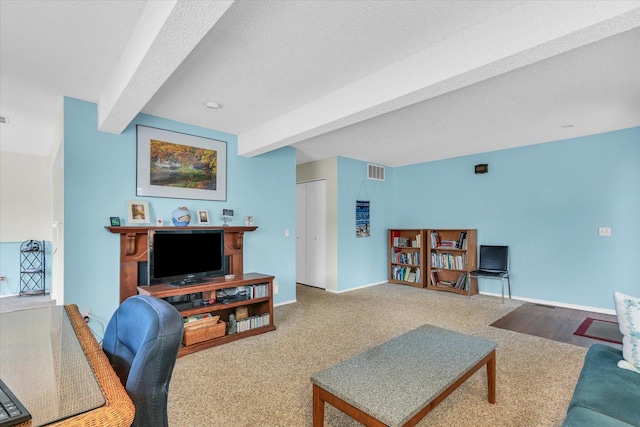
{"points": [[400, 381]]}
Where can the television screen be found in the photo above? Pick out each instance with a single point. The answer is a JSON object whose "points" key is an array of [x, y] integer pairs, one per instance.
{"points": [[183, 257]]}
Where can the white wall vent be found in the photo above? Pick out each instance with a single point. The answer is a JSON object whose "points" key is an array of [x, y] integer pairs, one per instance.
{"points": [[375, 172]]}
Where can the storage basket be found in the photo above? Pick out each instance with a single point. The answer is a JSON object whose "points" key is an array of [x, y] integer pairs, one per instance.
{"points": [[203, 330]]}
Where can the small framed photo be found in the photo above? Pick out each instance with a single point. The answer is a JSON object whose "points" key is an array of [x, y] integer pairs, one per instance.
{"points": [[138, 212], [203, 216], [115, 221]]}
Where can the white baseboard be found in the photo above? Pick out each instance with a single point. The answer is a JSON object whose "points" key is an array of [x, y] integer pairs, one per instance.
{"points": [[531, 300], [557, 304], [285, 303], [359, 287]]}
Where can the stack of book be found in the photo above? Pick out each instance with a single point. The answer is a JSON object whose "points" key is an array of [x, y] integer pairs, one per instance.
{"points": [[257, 291], [406, 274], [449, 261], [407, 258]]}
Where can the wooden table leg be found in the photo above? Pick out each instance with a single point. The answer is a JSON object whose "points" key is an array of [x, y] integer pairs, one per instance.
{"points": [[318, 408], [491, 377]]}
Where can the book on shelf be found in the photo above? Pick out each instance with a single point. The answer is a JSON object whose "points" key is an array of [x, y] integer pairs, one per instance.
{"points": [[461, 283], [460, 280], [435, 280], [449, 261], [252, 322], [462, 242], [435, 239], [405, 274], [402, 242], [448, 244], [406, 258], [438, 243], [417, 242]]}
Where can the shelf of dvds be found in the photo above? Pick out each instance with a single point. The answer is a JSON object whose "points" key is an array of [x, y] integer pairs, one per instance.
{"points": [[406, 257], [452, 255], [256, 303]]}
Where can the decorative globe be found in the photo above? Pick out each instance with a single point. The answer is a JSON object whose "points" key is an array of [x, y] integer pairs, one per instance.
{"points": [[181, 217]]}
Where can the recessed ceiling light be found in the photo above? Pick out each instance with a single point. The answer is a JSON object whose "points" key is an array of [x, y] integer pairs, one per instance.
{"points": [[4, 120], [567, 126], [213, 105]]}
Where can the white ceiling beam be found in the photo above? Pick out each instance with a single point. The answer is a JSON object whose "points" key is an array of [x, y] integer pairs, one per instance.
{"points": [[166, 33], [521, 36]]}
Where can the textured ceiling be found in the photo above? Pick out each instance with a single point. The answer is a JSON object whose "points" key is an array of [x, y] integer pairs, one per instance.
{"points": [[282, 55], [370, 80]]}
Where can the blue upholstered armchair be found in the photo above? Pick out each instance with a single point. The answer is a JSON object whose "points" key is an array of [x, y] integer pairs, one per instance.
{"points": [[142, 342]]}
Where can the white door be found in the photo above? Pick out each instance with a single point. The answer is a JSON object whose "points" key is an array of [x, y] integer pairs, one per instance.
{"points": [[311, 214]]}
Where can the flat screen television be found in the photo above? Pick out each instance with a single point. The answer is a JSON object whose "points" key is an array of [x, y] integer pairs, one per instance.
{"points": [[185, 257]]}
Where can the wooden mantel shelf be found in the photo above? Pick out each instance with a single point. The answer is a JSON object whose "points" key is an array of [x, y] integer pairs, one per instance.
{"points": [[131, 231], [134, 243]]}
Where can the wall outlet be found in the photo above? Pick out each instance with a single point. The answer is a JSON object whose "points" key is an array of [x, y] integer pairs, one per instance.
{"points": [[86, 315], [604, 231], [275, 287], [3, 278]]}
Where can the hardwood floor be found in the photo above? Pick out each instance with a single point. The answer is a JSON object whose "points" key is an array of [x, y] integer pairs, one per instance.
{"points": [[554, 323]]}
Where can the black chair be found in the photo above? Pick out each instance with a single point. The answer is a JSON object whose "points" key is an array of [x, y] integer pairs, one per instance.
{"points": [[141, 342], [493, 264]]}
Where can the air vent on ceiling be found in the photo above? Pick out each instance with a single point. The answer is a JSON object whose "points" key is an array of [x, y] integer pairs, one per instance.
{"points": [[375, 172], [4, 120]]}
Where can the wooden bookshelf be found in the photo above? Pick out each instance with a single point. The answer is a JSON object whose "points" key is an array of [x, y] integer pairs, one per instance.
{"points": [[407, 257], [443, 258], [451, 256]]}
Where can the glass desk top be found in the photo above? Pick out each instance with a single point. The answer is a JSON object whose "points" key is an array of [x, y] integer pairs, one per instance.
{"points": [[43, 364]]}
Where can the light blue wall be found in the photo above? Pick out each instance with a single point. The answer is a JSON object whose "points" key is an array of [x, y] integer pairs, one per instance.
{"points": [[10, 267], [362, 261], [546, 202], [100, 176]]}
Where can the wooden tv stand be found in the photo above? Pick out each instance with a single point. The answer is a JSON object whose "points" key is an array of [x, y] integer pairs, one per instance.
{"points": [[255, 306]]}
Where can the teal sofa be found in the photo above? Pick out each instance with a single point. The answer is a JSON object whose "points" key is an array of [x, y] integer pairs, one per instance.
{"points": [[605, 394]]}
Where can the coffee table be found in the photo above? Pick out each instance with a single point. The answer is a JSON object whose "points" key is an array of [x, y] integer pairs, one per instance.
{"points": [[397, 383]]}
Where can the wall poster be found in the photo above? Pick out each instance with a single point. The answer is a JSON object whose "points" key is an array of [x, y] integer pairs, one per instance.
{"points": [[363, 227]]}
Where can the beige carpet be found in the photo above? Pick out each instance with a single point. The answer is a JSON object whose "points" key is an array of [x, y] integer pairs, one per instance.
{"points": [[264, 380], [22, 302]]}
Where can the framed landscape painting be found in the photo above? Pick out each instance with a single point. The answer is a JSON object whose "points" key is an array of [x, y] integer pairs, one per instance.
{"points": [[177, 165]]}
